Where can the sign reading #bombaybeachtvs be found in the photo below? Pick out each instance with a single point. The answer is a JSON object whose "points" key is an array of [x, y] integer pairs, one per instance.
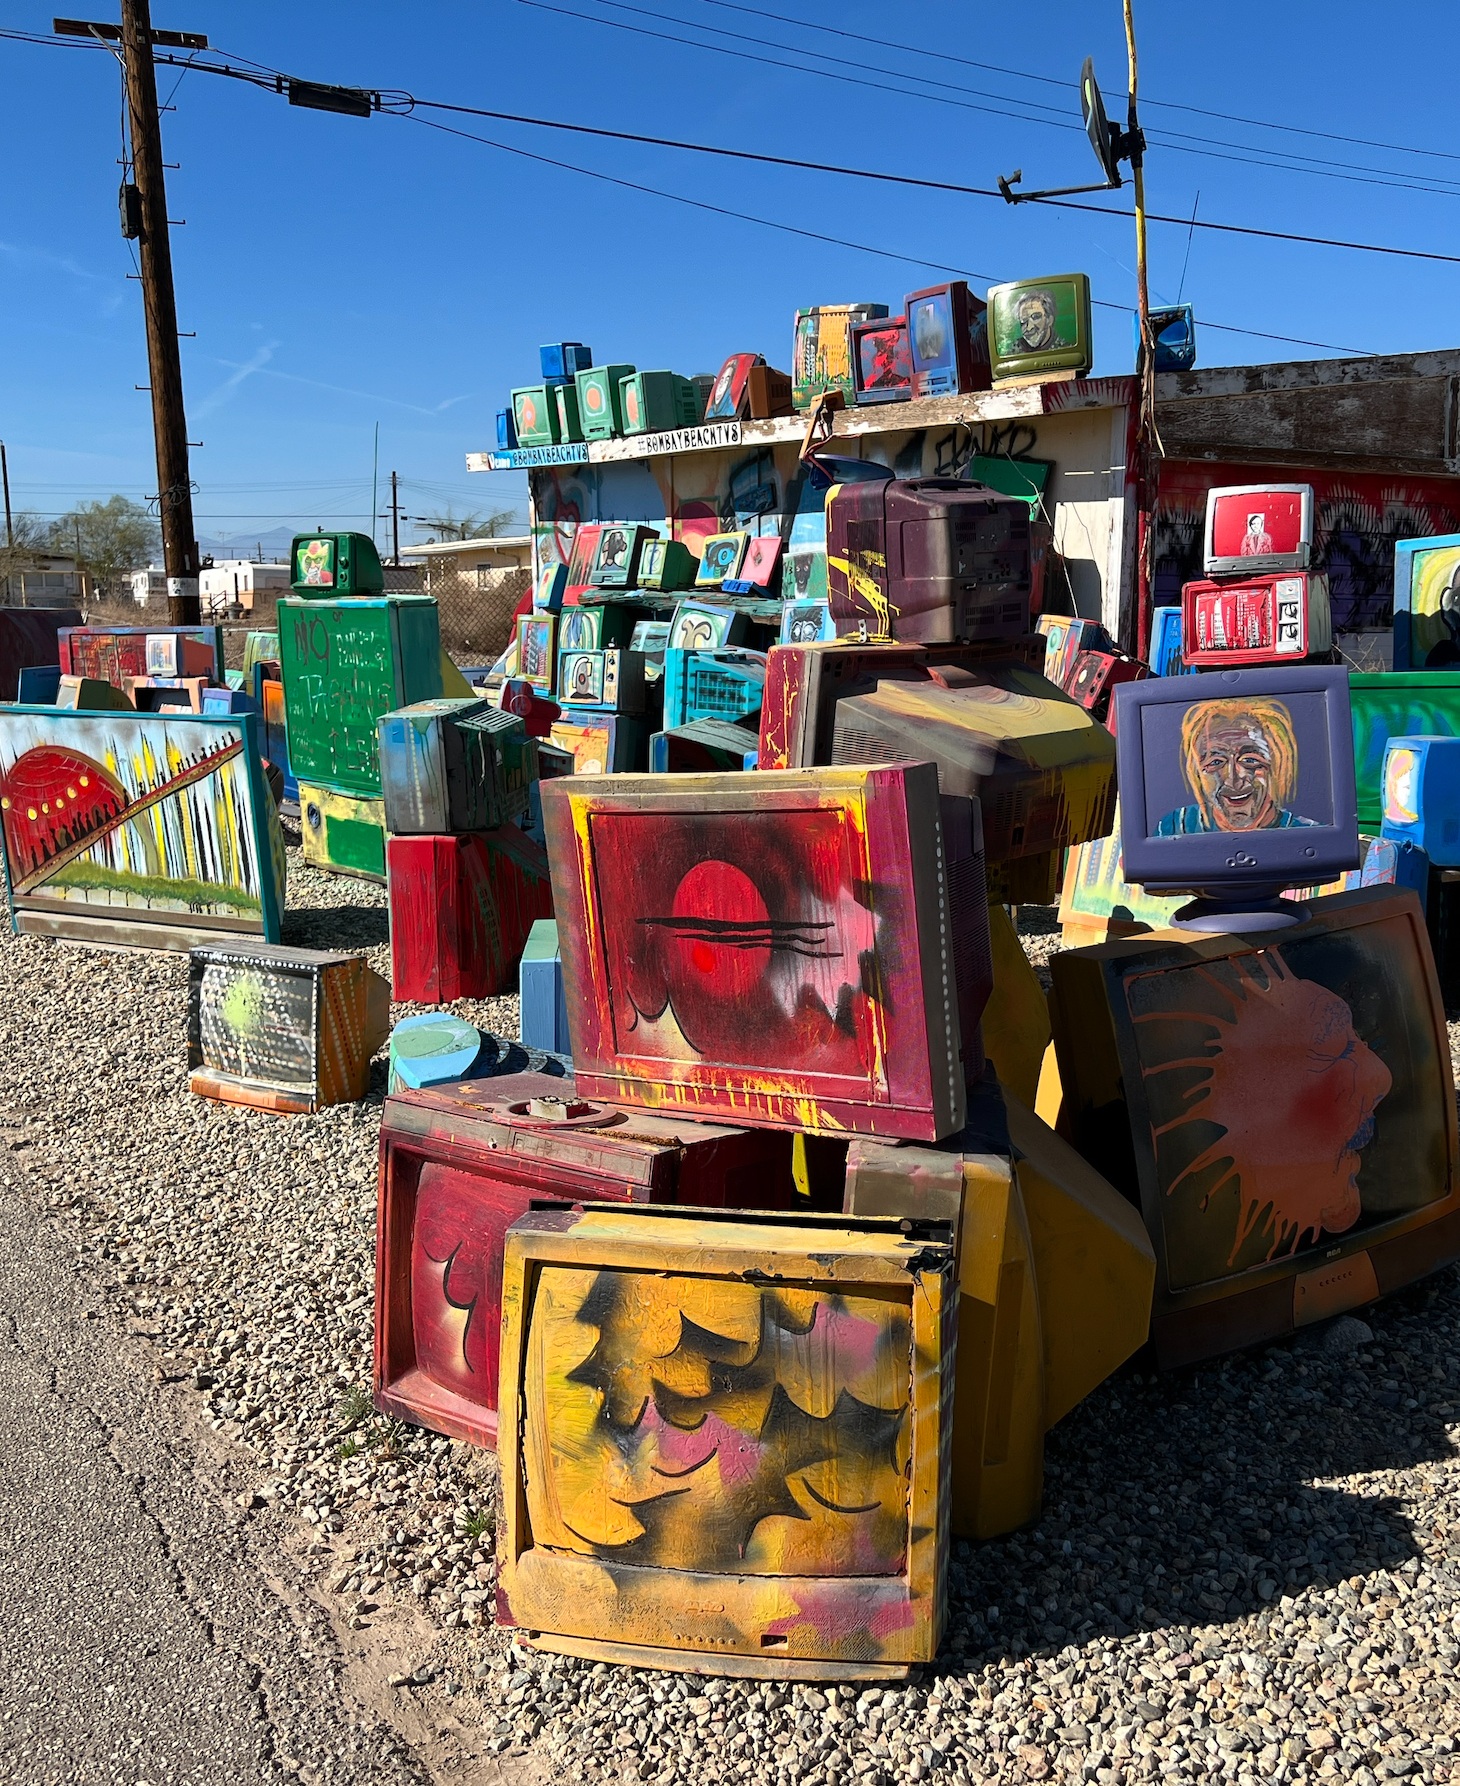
{"points": [[639, 446]]}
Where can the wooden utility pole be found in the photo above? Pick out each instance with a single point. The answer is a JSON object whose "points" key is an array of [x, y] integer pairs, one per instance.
{"points": [[1148, 445], [169, 422], [9, 524], [394, 519]]}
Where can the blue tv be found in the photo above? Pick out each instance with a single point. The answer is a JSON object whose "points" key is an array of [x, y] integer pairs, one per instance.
{"points": [[1236, 785], [1166, 644], [1422, 796], [1173, 330], [506, 431], [1427, 603], [563, 359]]}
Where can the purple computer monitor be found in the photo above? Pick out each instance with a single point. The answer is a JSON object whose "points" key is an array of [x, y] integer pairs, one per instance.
{"points": [[1237, 783]]}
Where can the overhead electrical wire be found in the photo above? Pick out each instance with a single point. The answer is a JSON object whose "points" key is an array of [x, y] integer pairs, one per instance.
{"points": [[1049, 80], [1213, 149], [835, 241]]}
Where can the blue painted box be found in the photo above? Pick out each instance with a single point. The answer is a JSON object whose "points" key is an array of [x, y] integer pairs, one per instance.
{"points": [[544, 1018]]}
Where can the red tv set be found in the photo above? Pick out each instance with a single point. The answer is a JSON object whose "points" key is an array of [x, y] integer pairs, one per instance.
{"points": [[882, 368], [459, 1163], [1258, 527], [766, 948], [1282, 617]]}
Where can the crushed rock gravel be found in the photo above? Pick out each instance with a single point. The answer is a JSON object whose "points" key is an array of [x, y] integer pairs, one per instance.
{"points": [[1244, 1572]]}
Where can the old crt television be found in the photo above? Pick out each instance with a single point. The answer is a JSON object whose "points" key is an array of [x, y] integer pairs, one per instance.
{"points": [[564, 359], [730, 392], [460, 1163], [536, 415], [1040, 326], [1427, 603], [734, 1450], [1173, 334], [1281, 1108], [821, 351], [882, 367], [928, 560], [1422, 796], [1258, 527], [333, 564], [774, 944], [599, 407], [1042, 768], [1239, 783], [948, 339], [1259, 620]]}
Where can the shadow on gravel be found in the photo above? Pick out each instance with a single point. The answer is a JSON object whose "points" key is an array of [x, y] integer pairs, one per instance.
{"points": [[1187, 1500], [353, 927]]}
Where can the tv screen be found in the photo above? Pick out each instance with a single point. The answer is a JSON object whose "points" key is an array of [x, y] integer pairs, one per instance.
{"points": [[314, 563], [1258, 527], [776, 944], [1264, 753], [1285, 1113], [882, 361], [768, 1401]]}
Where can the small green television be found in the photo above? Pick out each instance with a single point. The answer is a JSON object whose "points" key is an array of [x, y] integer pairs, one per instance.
{"points": [[536, 415], [565, 396], [1040, 326], [599, 409], [655, 402], [326, 565], [667, 564]]}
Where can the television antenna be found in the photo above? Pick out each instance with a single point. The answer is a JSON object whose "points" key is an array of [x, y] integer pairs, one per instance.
{"points": [[1111, 146]]}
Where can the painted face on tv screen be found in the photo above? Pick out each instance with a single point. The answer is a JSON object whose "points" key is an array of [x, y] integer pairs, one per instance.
{"points": [[932, 329], [1236, 763], [1289, 1093]]}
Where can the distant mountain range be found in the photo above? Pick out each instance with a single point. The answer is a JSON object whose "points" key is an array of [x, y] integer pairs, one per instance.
{"points": [[262, 546]]}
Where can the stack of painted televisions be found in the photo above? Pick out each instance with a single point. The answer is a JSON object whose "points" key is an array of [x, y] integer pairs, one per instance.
{"points": [[349, 653], [741, 1230], [781, 1148], [1261, 602], [465, 884]]}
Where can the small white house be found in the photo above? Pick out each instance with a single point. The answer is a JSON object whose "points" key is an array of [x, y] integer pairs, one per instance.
{"points": [[233, 582], [148, 586]]}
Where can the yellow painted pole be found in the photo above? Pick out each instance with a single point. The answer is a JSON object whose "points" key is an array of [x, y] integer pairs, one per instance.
{"points": [[1146, 440]]}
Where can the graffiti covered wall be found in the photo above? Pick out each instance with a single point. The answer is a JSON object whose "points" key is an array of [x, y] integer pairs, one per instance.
{"points": [[1357, 519]]}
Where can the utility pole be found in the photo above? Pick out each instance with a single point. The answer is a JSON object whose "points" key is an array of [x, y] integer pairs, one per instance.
{"points": [[394, 520], [169, 422], [9, 524], [1148, 441]]}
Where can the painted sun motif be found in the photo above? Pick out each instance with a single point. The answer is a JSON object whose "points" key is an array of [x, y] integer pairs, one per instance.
{"points": [[1295, 1089]]}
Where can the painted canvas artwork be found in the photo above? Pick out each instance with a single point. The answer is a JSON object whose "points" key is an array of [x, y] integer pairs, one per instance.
{"points": [[535, 634], [774, 945], [155, 825], [711, 1460]]}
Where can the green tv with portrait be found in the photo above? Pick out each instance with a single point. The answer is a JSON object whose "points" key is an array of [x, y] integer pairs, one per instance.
{"points": [[325, 565], [1040, 327]]}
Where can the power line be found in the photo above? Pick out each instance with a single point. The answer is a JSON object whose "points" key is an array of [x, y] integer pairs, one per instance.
{"points": [[403, 104], [1170, 105], [1217, 152], [817, 236]]}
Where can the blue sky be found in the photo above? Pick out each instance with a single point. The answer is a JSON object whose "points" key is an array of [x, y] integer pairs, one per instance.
{"points": [[341, 272]]}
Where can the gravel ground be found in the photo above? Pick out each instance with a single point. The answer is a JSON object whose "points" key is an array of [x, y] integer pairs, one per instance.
{"points": [[1244, 1572]]}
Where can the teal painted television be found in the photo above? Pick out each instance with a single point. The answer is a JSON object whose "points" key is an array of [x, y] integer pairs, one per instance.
{"points": [[1399, 704]]}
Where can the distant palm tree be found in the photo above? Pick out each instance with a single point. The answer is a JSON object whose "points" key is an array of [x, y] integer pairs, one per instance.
{"points": [[470, 526]]}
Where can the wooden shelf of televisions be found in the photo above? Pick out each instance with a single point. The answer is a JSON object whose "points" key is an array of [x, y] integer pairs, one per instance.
{"points": [[656, 656]]}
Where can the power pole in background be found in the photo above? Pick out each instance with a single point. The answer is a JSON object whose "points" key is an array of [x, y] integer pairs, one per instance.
{"points": [[9, 524], [394, 520], [169, 421], [1148, 441]]}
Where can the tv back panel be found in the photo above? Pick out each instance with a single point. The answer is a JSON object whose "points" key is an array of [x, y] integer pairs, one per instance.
{"points": [[928, 560], [563, 359], [1237, 784], [1258, 527]]}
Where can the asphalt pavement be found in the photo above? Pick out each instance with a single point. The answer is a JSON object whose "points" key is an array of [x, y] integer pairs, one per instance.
{"points": [[152, 1632]]}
